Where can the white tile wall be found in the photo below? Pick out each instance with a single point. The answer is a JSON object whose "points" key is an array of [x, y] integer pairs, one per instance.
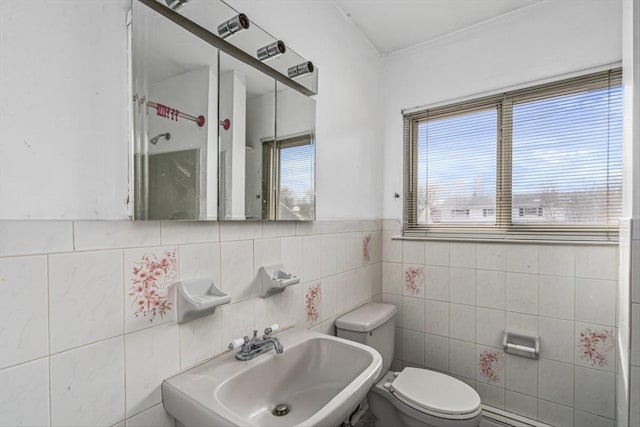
{"points": [[436, 353], [554, 291], [72, 351], [556, 382], [155, 416], [183, 232], [436, 317], [556, 296], [462, 286], [634, 397], [554, 414], [462, 358], [521, 404], [437, 283], [24, 395], [593, 392], [558, 343], [635, 393], [87, 384], [85, 298], [522, 375], [153, 354], [200, 260], [491, 289], [587, 419], [596, 301], [522, 293], [462, 322], [23, 309], [91, 235], [35, 237], [471, 293]]}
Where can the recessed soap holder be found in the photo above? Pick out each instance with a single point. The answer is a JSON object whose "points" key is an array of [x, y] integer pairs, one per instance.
{"points": [[273, 279], [521, 345], [198, 298]]}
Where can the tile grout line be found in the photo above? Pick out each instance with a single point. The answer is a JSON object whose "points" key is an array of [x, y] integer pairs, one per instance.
{"points": [[124, 335], [49, 339]]}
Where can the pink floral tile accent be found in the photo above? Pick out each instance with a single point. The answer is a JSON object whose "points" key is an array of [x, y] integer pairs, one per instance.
{"points": [[366, 249], [150, 281], [312, 301], [594, 345], [414, 279], [491, 363]]}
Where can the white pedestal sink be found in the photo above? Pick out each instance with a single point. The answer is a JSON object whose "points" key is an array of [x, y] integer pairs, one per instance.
{"points": [[320, 379]]}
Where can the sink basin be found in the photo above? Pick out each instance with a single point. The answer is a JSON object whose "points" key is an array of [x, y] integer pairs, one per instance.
{"points": [[320, 379]]}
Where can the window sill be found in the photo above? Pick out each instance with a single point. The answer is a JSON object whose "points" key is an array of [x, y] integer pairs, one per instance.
{"points": [[501, 238]]}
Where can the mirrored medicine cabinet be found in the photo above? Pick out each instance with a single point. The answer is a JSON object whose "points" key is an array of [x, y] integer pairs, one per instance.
{"points": [[217, 136]]}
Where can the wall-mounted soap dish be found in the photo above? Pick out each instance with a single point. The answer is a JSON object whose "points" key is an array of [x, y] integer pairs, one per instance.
{"points": [[274, 279], [198, 298]]}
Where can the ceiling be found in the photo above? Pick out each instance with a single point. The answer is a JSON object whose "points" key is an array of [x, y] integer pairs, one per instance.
{"points": [[393, 25]]}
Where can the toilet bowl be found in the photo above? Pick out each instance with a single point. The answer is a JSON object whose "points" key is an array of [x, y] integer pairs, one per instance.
{"points": [[412, 397]]}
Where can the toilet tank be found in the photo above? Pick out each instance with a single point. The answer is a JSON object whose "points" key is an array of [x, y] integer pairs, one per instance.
{"points": [[371, 324]]}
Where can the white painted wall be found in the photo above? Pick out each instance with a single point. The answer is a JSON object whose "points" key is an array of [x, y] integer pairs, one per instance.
{"points": [[542, 41], [64, 149], [64, 119]]}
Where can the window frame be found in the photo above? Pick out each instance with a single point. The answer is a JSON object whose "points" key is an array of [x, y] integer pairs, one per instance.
{"points": [[503, 228]]}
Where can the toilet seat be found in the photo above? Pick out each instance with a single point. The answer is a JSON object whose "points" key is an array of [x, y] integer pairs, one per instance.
{"points": [[436, 394]]}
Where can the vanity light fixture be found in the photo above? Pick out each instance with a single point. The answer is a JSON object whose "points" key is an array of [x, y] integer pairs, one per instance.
{"points": [[269, 51], [233, 25], [300, 69], [176, 4]]}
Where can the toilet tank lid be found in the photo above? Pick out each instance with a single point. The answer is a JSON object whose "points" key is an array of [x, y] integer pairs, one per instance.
{"points": [[367, 317]]}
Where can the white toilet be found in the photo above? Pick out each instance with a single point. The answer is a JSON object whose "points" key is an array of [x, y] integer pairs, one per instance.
{"points": [[413, 396]]}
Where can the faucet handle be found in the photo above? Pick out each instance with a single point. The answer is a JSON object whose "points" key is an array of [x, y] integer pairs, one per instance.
{"points": [[246, 347], [271, 329]]}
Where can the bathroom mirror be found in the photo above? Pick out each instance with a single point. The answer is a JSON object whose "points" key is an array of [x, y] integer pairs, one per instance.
{"points": [[205, 140], [175, 121], [267, 156]]}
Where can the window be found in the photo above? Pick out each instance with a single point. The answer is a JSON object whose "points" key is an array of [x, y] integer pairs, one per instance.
{"points": [[530, 211], [488, 212], [287, 189], [459, 213], [541, 162]]}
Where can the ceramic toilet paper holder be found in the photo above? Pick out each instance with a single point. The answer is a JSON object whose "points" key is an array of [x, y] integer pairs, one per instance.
{"points": [[521, 345]]}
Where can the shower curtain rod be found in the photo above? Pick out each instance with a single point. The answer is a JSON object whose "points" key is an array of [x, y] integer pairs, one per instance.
{"points": [[173, 114]]}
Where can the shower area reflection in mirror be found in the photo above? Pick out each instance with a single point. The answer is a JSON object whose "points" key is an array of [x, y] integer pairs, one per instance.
{"points": [[173, 185]]}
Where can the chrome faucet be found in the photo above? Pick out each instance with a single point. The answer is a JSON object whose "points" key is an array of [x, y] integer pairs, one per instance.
{"points": [[255, 346]]}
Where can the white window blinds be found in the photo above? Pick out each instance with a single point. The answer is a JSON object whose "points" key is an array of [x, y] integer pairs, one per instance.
{"points": [[543, 162]]}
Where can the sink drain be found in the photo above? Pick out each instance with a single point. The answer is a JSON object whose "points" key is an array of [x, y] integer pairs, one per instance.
{"points": [[280, 410]]}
